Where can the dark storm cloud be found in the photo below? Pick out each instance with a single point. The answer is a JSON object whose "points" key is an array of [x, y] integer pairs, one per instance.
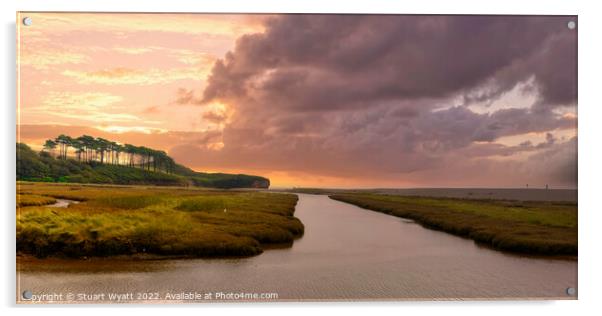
{"points": [[322, 62], [389, 96], [509, 122], [553, 66], [554, 165], [555, 70]]}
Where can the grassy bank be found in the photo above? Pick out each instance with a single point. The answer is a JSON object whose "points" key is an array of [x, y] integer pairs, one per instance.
{"points": [[34, 200], [542, 228], [123, 220]]}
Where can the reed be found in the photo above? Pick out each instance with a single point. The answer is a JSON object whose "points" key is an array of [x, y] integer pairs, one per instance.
{"points": [[127, 220]]}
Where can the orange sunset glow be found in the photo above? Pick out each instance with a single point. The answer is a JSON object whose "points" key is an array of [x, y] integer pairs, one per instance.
{"points": [[312, 100]]}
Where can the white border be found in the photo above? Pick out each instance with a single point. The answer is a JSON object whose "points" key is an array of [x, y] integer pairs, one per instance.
{"points": [[589, 153], [311, 6]]}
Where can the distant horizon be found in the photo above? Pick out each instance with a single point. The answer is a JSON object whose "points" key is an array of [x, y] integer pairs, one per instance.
{"points": [[39, 146], [353, 101], [428, 187]]}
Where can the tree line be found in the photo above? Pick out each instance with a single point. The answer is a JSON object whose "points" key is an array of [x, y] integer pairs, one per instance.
{"points": [[99, 150]]}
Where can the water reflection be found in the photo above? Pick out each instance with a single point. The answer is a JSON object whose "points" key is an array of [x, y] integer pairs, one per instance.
{"points": [[346, 253]]}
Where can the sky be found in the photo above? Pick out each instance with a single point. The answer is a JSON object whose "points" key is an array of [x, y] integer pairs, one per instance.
{"points": [[314, 100]]}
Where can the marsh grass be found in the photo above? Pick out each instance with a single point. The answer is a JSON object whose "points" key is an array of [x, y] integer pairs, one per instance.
{"points": [[28, 199], [541, 228], [203, 203], [118, 220], [127, 202]]}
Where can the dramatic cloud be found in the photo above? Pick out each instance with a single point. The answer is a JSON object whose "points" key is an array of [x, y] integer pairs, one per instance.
{"points": [[324, 62], [316, 100], [391, 96]]}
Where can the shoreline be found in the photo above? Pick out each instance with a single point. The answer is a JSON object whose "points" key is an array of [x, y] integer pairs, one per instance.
{"points": [[142, 256], [514, 236]]}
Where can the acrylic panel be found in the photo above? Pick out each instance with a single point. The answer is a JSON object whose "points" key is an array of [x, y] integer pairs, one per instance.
{"points": [[192, 158]]}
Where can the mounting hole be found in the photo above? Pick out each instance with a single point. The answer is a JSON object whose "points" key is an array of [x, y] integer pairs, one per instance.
{"points": [[571, 291], [571, 25], [27, 21], [27, 294]]}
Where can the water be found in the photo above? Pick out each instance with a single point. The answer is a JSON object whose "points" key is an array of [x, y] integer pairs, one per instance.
{"points": [[347, 253], [62, 203]]}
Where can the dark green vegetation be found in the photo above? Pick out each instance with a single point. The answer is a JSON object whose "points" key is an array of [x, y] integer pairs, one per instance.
{"points": [[127, 220], [112, 166], [99, 150], [539, 228]]}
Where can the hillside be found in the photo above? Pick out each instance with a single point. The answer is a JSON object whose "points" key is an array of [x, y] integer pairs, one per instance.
{"points": [[45, 167]]}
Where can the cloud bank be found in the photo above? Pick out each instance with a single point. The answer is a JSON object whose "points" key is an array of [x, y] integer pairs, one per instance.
{"points": [[388, 97], [317, 100]]}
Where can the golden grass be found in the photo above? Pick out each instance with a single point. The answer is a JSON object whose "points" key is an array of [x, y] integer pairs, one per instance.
{"points": [[34, 200], [114, 220]]}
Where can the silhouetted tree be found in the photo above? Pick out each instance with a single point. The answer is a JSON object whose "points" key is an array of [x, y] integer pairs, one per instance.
{"points": [[50, 145]]}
